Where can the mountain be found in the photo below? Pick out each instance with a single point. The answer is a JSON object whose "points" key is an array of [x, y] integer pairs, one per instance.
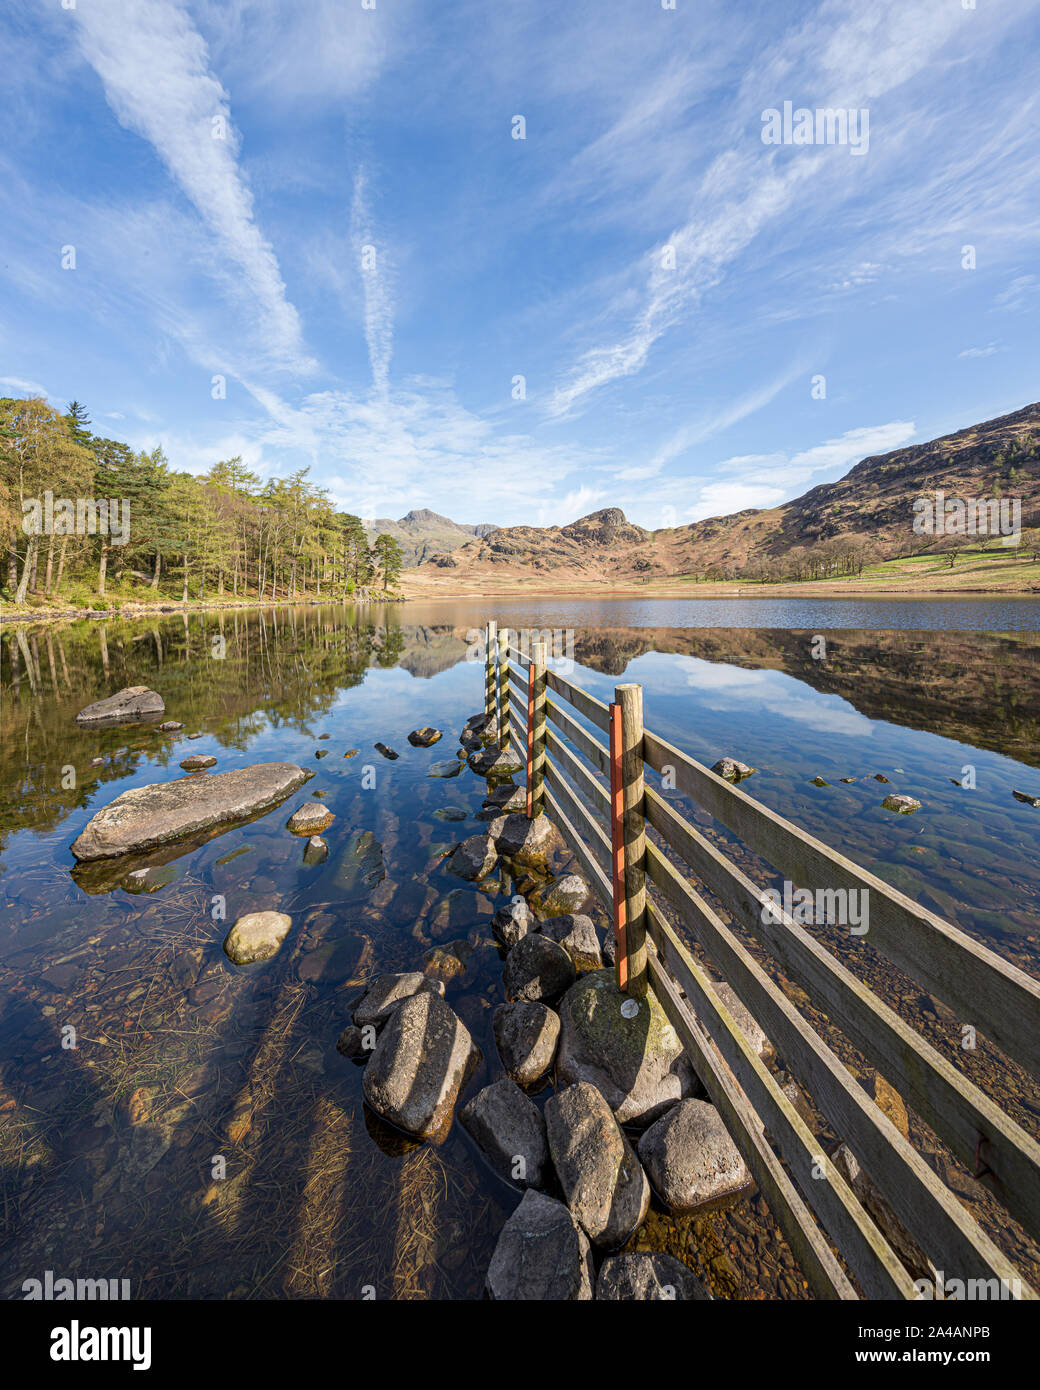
{"points": [[422, 533], [869, 511]]}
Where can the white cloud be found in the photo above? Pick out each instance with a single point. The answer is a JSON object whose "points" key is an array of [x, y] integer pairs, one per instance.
{"points": [[987, 351], [376, 274], [26, 388]]}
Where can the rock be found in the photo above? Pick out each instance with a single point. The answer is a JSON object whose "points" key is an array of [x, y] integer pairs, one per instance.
{"points": [[447, 963], [577, 935], [747, 1024], [818, 782], [509, 1129], [846, 779], [256, 936], [387, 992], [505, 797], [321, 752], [537, 969], [145, 817], [637, 1063], [197, 761], [451, 813], [135, 702], [602, 1180], [420, 1062], [198, 735], [169, 727], [309, 818], [315, 851], [1027, 797], [474, 858], [879, 777], [903, 1244], [386, 752], [691, 1159], [424, 738], [905, 805], [526, 1034], [450, 767], [519, 837], [491, 762], [890, 1102], [732, 770], [564, 895], [352, 752], [351, 1042], [511, 923], [149, 880], [542, 1255], [625, 1278]]}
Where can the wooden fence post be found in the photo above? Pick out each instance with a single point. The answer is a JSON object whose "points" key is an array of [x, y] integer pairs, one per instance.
{"points": [[490, 649], [630, 771], [536, 730], [503, 688]]}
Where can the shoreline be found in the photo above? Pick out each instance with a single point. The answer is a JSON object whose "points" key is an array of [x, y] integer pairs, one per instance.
{"points": [[133, 610]]}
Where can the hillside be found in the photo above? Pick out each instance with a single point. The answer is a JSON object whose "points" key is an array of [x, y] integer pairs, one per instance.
{"points": [[830, 530], [422, 533]]}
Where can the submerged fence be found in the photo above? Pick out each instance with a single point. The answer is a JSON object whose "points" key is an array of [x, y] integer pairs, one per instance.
{"points": [[574, 775]]}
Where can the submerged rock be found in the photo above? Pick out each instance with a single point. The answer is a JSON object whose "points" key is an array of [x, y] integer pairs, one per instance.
{"points": [[509, 1129], [387, 992], [424, 738], [564, 895], [449, 767], [197, 761], [451, 813], [637, 1063], [418, 1066], [691, 1159], [150, 880], [169, 727], [257, 936], [474, 858], [542, 1255], [732, 770], [602, 1180], [492, 762], [646, 1277], [132, 703], [310, 818], [905, 805], [537, 969], [526, 1034], [503, 798], [145, 817], [315, 851], [577, 935]]}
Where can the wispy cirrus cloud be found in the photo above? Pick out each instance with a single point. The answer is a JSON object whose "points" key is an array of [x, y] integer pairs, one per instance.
{"points": [[376, 273]]}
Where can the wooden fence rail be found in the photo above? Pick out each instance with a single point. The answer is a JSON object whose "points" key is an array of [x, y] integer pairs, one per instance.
{"points": [[605, 822]]}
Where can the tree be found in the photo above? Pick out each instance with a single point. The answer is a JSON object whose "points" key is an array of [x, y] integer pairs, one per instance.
{"points": [[388, 557]]}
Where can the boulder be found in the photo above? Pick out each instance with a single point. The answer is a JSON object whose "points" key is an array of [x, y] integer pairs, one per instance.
{"points": [[387, 992], [637, 1063], [905, 805], [315, 851], [732, 770], [474, 858], [491, 762], [526, 1034], [536, 968], [424, 738], [126, 706], [643, 1277], [508, 1128], [564, 895], [450, 767], [577, 935], [602, 1180], [542, 1255], [518, 837], [310, 818], [511, 923], [504, 798], [146, 817], [197, 761], [691, 1159], [418, 1066], [256, 936]]}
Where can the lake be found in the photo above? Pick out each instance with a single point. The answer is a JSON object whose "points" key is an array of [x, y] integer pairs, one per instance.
{"points": [[203, 1138]]}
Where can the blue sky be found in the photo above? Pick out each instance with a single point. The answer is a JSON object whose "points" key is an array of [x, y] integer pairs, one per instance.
{"points": [[673, 391]]}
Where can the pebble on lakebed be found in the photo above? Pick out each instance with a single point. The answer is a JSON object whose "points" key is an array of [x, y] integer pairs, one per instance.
{"points": [[256, 937], [905, 805]]}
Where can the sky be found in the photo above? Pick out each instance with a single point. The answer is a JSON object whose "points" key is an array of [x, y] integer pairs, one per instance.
{"points": [[307, 233]]}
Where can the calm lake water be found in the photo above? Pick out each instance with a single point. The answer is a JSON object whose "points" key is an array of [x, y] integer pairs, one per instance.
{"points": [[203, 1138]]}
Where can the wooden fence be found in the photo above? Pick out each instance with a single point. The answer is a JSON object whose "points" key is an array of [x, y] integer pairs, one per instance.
{"points": [[577, 777]]}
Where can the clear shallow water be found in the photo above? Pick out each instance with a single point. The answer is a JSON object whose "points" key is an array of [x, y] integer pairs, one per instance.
{"points": [[107, 1150]]}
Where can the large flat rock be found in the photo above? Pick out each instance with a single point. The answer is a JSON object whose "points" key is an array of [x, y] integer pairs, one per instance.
{"points": [[146, 817], [135, 702]]}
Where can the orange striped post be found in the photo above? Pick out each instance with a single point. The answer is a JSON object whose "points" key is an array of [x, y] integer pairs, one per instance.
{"points": [[530, 741], [617, 849]]}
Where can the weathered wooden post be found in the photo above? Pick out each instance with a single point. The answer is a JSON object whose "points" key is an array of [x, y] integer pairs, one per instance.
{"points": [[627, 773], [503, 688], [490, 649], [536, 731]]}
